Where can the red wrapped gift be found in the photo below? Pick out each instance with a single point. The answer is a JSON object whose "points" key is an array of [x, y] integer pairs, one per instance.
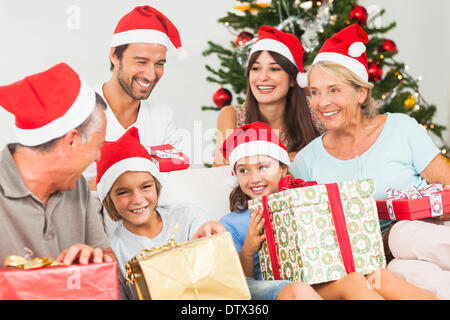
{"points": [[75, 282], [167, 158], [414, 204]]}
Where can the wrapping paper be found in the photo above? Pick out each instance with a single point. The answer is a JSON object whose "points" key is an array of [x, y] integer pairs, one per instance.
{"points": [[75, 282], [168, 159], [414, 203], [201, 269], [312, 241]]}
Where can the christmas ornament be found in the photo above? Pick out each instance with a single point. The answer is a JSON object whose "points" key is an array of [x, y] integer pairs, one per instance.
{"points": [[222, 97], [388, 46], [375, 71], [358, 14], [410, 102], [243, 38]]}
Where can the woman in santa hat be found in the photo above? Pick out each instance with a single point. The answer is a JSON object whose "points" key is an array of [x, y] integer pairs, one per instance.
{"points": [[391, 148], [275, 93]]}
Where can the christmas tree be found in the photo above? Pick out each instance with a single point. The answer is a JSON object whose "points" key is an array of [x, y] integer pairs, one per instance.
{"points": [[313, 22]]}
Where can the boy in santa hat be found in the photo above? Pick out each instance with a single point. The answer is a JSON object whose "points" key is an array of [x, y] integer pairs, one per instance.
{"points": [[46, 206], [138, 55]]}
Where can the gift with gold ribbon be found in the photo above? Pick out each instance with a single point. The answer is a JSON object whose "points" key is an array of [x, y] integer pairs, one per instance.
{"points": [[44, 278], [200, 269], [167, 158], [414, 203], [320, 232]]}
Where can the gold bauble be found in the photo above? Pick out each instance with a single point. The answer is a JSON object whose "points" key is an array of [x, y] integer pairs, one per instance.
{"points": [[410, 102]]}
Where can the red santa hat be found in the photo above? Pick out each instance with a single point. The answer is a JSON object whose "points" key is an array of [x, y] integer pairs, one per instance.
{"points": [[124, 154], [286, 44], [253, 139], [347, 48], [145, 24], [48, 104]]}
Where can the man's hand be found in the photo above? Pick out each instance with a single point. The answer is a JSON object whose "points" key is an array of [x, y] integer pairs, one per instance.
{"points": [[208, 228], [84, 254]]}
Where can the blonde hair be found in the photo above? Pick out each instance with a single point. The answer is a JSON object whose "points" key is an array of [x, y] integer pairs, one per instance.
{"points": [[370, 106], [111, 208]]}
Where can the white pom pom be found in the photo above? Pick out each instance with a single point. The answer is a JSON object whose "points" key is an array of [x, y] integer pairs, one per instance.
{"points": [[302, 79], [356, 49], [181, 54]]}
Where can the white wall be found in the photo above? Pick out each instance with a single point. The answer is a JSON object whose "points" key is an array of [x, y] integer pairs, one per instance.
{"points": [[38, 34]]}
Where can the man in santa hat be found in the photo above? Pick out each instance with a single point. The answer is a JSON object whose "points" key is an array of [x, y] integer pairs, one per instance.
{"points": [[45, 203], [138, 55]]}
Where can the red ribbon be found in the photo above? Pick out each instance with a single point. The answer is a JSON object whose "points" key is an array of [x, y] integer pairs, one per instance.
{"points": [[340, 225], [337, 213], [289, 183], [270, 241]]}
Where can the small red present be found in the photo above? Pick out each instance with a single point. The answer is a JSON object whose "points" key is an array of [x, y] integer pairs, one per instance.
{"points": [[74, 282], [414, 204], [167, 158]]}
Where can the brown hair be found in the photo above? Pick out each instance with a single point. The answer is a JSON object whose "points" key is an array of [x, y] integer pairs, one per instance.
{"points": [[111, 208], [299, 126], [239, 200], [118, 51]]}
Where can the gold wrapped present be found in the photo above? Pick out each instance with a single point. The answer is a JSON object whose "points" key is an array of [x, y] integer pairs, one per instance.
{"points": [[201, 269]]}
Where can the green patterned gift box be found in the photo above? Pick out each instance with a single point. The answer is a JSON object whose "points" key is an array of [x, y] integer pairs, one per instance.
{"points": [[309, 245]]}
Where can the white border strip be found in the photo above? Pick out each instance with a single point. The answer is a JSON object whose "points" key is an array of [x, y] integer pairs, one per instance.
{"points": [[129, 164], [254, 148], [140, 36], [273, 45], [350, 63], [79, 111]]}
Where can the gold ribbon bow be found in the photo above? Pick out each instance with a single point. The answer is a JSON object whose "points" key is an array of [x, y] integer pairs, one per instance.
{"points": [[171, 243], [26, 262]]}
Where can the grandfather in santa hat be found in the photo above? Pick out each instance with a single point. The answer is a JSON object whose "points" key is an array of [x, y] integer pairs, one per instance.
{"points": [[138, 55], [45, 203]]}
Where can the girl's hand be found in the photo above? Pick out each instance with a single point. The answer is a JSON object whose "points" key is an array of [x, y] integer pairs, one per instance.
{"points": [[254, 236]]}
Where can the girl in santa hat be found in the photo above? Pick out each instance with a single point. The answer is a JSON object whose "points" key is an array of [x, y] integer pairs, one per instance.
{"points": [[259, 161], [275, 93], [129, 188], [391, 148]]}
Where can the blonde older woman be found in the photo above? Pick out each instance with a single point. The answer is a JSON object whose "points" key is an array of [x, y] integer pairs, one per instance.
{"points": [[393, 149]]}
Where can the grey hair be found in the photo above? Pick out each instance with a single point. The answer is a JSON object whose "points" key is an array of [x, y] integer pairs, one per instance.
{"points": [[86, 129]]}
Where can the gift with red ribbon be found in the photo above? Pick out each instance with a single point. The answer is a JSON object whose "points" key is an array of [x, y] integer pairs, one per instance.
{"points": [[75, 282], [167, 158], [414, 203], [320, 232]]}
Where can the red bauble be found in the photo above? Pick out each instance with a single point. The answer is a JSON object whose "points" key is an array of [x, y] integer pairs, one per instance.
{"points": [[358, 14], [242, 38], [388, 46], [222, 97], [375, 71]]}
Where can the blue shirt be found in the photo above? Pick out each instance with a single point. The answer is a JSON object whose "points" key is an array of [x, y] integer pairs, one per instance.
{"points": [[237, 224], [396, 159]]}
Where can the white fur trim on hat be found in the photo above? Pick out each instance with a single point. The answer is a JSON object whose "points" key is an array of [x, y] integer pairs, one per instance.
{"points": [[350, 63], [129, 164], [79, 111], [302, 79], [181, 54], [275, 46], [356, 49], [140, 35], [254, 148]]}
